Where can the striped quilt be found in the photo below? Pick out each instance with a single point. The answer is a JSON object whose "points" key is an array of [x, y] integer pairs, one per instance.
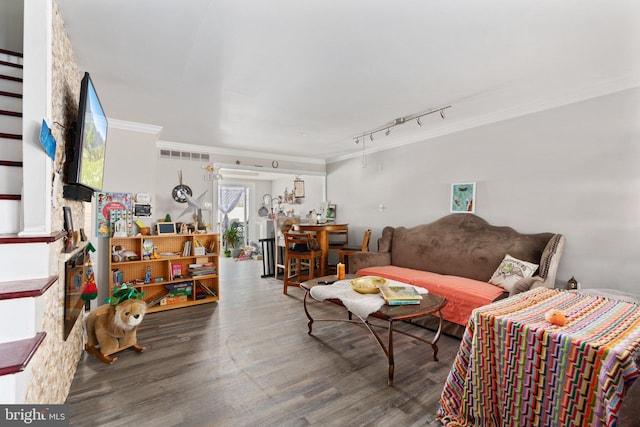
{"points": [[514, 368]]}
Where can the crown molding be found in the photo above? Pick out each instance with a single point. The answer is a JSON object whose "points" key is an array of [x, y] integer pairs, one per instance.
{"points": [[135, 127], [234, 152]]}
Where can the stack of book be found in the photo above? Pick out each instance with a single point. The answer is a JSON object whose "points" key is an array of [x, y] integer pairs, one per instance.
{"points": [[400, 295], [201, 270], [175, 289]]}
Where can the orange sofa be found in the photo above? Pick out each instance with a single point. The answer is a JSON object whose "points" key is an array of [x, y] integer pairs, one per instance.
{"points": [[456, 257]]}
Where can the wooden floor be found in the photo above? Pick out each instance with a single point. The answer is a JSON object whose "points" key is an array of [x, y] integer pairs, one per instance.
{"points": [[248, 361]]}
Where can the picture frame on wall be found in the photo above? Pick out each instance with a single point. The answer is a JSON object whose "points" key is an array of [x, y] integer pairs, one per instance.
{"points": [[68, 219], [298, 188], [331, 212], [463, 197]]}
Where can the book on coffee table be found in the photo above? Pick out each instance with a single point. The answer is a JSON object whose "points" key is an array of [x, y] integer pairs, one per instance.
{"points": [[403, 301], [399, 295]]}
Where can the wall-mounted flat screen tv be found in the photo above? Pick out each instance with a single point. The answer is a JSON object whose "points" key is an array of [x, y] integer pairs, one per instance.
{"points": [[85, 168]]}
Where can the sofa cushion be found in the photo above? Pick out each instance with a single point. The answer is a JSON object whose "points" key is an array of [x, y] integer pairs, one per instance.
{"points": [[510, 271], [392, 272], [463, 294]]}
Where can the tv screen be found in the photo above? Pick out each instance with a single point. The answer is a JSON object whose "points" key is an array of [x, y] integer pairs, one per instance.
{"points": [[86, 167]]}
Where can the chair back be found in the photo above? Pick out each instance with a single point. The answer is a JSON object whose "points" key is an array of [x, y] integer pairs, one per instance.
{"points": [[365, 240], [297, 241]]}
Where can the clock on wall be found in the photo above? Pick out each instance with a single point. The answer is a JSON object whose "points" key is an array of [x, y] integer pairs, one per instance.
{"points": [[181, 191]]}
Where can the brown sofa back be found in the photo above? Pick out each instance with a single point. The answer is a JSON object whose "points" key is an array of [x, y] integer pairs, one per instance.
{"points": [[460, 245]]}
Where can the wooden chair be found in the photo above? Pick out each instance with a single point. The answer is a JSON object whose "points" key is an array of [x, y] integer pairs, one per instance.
{"points": [[299, 256], [345, 251]]}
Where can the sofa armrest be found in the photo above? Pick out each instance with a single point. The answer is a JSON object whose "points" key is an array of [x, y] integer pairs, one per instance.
{"points": [[550, 260], [548, 267], [361, 260]]}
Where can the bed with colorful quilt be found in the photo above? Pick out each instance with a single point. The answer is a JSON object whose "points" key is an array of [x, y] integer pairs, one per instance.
{"points": [[515, 368]]}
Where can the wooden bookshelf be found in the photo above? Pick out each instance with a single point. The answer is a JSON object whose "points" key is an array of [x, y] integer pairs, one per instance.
{"points": [[170, 249]]}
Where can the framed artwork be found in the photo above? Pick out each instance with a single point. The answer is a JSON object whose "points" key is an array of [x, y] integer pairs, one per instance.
{"points": [[166, 228], [298, 188], [463, 197], [105, 202], [331, 212]]}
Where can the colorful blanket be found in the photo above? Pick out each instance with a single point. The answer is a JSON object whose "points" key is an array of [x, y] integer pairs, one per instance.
{"points": [[514, 368]]}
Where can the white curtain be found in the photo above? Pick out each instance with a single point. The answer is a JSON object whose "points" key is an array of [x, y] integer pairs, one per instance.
{"points": [[228, 198]]}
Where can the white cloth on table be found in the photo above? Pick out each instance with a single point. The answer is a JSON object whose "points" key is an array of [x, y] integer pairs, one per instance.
{"points": [[362, 305]]}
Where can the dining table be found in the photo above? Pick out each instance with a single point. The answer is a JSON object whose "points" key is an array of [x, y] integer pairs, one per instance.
{"points": [[322, 231]]}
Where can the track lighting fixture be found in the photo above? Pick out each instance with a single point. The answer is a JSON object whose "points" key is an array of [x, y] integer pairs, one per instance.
{"points": [[400, 121]]}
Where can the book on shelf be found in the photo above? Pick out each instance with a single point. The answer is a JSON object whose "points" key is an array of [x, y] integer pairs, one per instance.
{"points": [[156, 298], [400, 293], [168, 300], [176, 271], [186, 248], [207, 289], [198, 249], [117, 278], [185, 288]]}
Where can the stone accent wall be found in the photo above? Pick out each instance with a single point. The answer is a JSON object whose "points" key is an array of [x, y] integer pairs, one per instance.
{"points": [[55, 362]]}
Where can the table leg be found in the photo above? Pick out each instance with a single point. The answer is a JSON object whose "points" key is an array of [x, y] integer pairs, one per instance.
{"points": [[390, 354], [434, 344], [304, 303], [323, 241]]}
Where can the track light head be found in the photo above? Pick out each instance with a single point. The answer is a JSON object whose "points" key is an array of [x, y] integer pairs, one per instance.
{"points": [[419, 121], [357, 140], [388, 131], [371, 137], [442, 114]]}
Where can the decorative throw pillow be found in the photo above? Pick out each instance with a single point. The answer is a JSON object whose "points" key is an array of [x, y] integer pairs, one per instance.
{"points": [[510, 271]]}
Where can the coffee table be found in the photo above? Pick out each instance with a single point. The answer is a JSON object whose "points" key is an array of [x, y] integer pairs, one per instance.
{"points": [[429, 305]]}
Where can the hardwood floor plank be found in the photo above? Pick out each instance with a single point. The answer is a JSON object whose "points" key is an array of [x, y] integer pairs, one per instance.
{"points": [[248, 360]]}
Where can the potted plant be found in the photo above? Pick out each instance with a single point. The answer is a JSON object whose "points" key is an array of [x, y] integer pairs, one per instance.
{"points": [[232, 240]]}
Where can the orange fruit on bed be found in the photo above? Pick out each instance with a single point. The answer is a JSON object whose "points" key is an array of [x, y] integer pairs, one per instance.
{"points": [[556, 317]]}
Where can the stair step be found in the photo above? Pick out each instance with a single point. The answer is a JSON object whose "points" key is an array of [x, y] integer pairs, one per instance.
{"points": [[15, 355], [10, 163], [10, 214], [11, 52], [10, 64], [6, 239], [10, 113], [11, 123], [11, 150], [11, 177], [12, 78], [10, 136], [11, 85], [26, 288], [10, 94]]}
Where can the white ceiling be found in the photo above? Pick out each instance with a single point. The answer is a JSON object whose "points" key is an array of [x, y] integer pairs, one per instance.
{"points": [[304, 77]]}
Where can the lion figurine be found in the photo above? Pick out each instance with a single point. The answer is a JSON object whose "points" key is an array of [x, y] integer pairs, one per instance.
{"points": [[113, 328]]}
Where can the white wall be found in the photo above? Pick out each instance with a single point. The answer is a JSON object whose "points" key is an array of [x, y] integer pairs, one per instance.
{"points": [[11, 20], [572, 170]]}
